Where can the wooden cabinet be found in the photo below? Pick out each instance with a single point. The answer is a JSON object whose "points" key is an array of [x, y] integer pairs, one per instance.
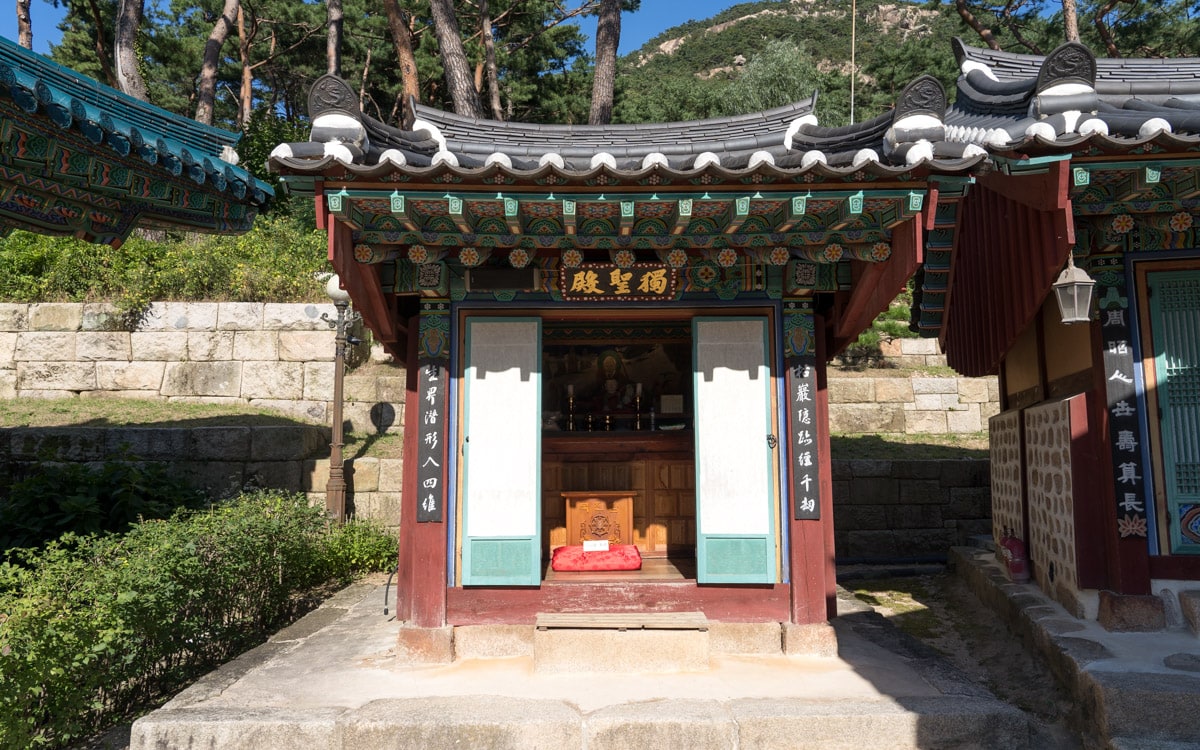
{"points": [[654, 469], [599, 515]]}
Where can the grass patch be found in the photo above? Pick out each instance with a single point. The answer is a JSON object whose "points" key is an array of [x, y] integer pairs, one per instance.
{"points": [[900, 600], [121, 412]]}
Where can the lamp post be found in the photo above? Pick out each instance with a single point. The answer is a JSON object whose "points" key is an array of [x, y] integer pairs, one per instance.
{"points": [[335, 488]]}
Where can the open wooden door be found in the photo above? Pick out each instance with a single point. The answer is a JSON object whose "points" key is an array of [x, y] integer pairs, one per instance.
{"points": [[735, 444], [501, 452]]}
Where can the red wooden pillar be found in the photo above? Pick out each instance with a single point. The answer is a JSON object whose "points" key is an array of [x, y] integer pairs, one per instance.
{"points": [[423, 542], [810, 490]]}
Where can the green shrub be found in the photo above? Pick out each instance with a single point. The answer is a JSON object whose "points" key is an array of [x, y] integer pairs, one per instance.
{"points": [[89, 499], [94, 628]]}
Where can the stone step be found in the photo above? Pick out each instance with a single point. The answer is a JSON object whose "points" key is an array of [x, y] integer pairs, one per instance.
{"points": [[632, 642], [1189, 604]]}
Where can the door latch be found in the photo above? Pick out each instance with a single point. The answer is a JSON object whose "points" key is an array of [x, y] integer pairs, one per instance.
{"points": [[772, 441]]}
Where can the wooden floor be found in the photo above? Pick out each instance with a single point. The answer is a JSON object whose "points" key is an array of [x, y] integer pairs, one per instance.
{"points": [[653, 569]]}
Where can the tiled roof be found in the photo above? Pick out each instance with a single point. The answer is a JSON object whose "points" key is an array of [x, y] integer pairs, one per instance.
{"points": [[785, 140], [164, 142]]}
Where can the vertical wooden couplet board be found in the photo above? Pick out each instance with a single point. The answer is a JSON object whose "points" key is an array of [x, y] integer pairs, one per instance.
{"points": [[433, 382], [735, 485], [501, 452], [800, 358]]}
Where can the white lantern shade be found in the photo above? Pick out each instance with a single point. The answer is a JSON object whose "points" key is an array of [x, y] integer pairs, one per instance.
{"points": [[1073, 290], [333, 287]]}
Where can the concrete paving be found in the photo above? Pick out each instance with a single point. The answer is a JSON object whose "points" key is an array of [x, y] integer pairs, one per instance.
{"points": [[332, 680]]}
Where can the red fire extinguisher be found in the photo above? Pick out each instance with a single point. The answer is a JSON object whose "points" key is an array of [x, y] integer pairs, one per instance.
{"points": [[1016, 560]]}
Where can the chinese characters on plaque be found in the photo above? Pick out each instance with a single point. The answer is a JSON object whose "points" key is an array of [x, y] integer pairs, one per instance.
{"points": [[605, 282], [430, 449], [1124, 428], [806, 489]]}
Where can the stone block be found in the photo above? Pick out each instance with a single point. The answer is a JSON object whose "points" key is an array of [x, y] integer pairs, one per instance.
{"points": [[370, 418], [14, 317], [1189, 604], [275, 475], [239, 316], [42, 346], [921, 422], [861, 468], [492, 641], [237, 728], [8, 350], [425, 645], [148, 443], [916, 469], [226, 443], [869, 545], [675, 723], [46, 394], [318, 381], [973, 390], [810, 639], [860, 517], [968, 420], [923, 542], [1129, 613], [905, 518], [130, 376], [307, 346], [444, 722], [969, 502], [218, 478], [294, 316], [222, 379], [391, 388], [893, 390], [107, 346], [255, 346], [866, 418], [165, 316], [362, 474], [168, 346], [360, 388], [755, 638], [220, 400], [209, 346], [875, 490], [101, 316], [55, 316], [919, 346], [927, 402], [287, 443], [78, 444], [935, 385], [272, 380], [950, 402], [314, 475], [383, 507], [988, 410], [557, 650], [921, 492], [137, 395], [304, 411], [56, 376], [8, 383], [966, 473], [851, 390], [391, 475]]}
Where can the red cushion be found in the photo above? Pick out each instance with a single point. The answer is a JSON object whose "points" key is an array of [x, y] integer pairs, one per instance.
{"points": [[618, 557]]}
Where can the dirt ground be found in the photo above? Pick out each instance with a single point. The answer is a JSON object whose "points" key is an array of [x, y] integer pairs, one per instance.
{"points": [[939, 610]]}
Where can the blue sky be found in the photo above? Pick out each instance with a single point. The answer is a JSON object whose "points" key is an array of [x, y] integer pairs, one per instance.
{"points": [[654, 17]]}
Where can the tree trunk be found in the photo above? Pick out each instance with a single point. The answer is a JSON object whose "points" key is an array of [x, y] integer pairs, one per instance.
{"points": [[333, 42], [1071, 20], [489, 46], [608, 38], [402, 39], [454, 60], [101, 51], [969, 19], [1110, 44], [206, 93], [129, 20], [24, 25], [246, 106]]}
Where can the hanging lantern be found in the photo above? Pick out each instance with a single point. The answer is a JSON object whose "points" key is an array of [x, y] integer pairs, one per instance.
{"points": [[1073, 290]]}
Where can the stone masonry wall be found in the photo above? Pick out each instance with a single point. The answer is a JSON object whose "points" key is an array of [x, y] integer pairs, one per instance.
{"points": [[908, 510]]}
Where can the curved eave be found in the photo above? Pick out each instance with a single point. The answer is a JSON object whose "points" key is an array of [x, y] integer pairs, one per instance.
{"points": [[1149, 73], [328, 166]]}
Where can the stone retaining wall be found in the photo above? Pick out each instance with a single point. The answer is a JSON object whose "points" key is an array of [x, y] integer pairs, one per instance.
{"points": [[908, 510]]}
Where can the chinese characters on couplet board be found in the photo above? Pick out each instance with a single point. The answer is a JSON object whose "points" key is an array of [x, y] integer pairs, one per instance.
{"points": [[600, 282], [430, 448], [806, 489], [1124, 427]]}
